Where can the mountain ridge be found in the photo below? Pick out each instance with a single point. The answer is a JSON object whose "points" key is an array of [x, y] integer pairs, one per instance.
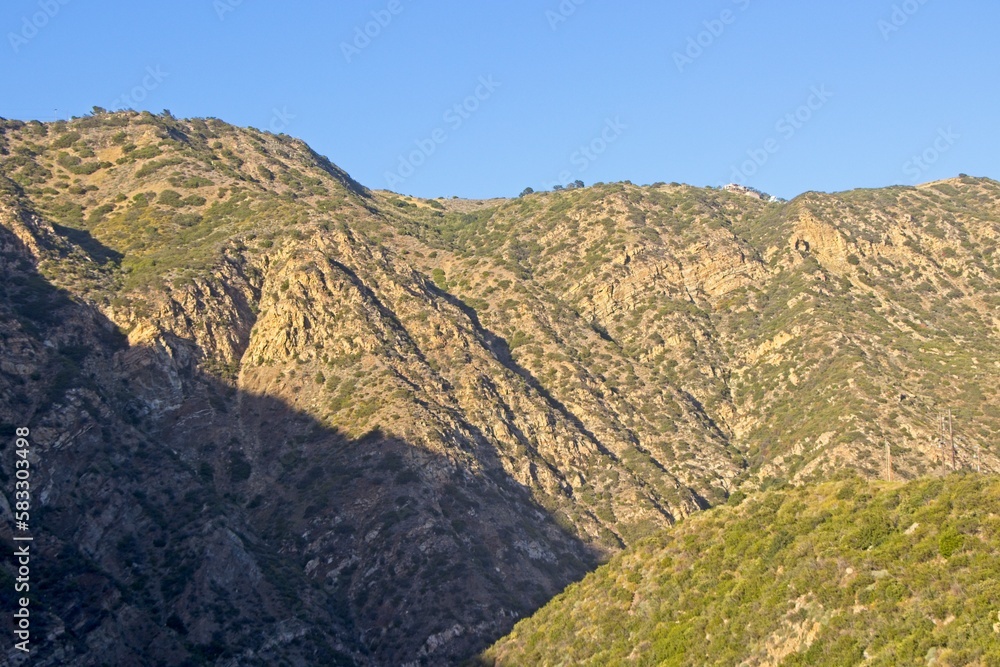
{"points": [[354, 372]]}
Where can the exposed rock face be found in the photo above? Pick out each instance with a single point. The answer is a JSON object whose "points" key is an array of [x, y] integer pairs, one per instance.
{"points": [[279, 415]]}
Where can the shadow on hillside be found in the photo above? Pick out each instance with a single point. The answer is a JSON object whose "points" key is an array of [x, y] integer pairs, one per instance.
{"points": [[185, 521], [96, 250]]}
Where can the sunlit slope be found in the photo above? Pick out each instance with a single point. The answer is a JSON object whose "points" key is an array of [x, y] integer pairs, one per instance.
{"points": [[842, 573]]}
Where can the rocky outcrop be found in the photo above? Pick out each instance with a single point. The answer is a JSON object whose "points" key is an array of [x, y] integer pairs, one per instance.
{"points": [[285, 416]]}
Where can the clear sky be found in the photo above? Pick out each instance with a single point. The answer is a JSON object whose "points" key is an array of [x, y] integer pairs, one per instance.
{"points": [[784, 96]]}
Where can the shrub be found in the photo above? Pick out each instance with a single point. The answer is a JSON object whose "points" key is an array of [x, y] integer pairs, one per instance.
{"points": [[171, 198], [239, 467], [950, 542], [146, 152], [155, 165], [66, 140]]}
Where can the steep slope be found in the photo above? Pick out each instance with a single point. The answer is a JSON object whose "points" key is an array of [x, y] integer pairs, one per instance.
{"points": [[137, 556], [435, 414], [806, 336], [837, 574], [263, 346], [881, 314]]}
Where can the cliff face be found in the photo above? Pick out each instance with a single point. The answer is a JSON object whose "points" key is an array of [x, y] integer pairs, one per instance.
{"points": [[296, 418], [137, 551]]}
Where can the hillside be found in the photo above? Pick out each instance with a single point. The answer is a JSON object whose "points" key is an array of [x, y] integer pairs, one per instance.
{"points": [[842, 573], [413, 422], [876, 309]]}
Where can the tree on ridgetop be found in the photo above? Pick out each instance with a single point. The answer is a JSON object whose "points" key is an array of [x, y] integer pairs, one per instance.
{"points": [[526, 191]]}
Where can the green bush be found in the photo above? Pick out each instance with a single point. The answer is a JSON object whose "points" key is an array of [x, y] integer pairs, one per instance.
{"points": [[66, 140], [146, 152], [171, 198], [950, 542]]}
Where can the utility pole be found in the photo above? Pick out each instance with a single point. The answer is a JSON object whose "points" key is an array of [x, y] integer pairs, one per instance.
{"points": [[951, 441], [941, 439], [888, 463]]}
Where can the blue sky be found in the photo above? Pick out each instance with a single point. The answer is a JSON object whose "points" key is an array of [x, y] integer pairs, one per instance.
{"points": [[480, 99]]}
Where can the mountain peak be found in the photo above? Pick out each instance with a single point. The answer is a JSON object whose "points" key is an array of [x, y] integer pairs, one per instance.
{"points": [[413, 421]]}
